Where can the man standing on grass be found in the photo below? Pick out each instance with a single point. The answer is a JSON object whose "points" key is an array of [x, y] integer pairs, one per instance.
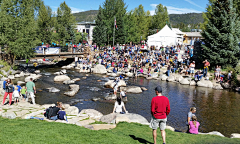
{"points": [[160, 108]]}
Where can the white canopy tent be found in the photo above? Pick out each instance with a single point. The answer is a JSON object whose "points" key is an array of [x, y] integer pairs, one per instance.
{"points": [[163, 38]]}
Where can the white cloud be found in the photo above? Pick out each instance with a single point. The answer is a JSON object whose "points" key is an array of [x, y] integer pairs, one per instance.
{"points": [[76, 10], [193, 3], [175, 10]]}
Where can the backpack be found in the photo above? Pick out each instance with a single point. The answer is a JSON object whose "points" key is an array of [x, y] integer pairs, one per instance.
{"points": [[49, 112], [4, 84]]}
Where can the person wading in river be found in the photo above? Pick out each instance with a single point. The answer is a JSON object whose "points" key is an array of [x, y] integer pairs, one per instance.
{"points": [[160, 108]]}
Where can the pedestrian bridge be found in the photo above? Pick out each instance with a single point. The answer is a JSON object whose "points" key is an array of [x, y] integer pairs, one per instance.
{"points": [[60, 55]]}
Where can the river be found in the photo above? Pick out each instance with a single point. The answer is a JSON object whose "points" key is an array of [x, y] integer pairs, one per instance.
{"points": [[217, 110]]}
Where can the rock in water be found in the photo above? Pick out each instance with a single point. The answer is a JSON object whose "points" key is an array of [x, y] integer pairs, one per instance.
{"points": [[61, 78], [100, 69], [132, 89], [144, 89], [111, 83], [73, 90], [54, 90], [68, 82], [184, 82], [205, 83]]}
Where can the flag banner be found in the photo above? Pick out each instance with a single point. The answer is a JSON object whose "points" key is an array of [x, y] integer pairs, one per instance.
{"points": [[116, 24]]}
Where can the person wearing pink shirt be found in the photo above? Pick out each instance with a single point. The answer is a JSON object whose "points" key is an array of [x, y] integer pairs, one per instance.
{"points": [[193, 125]]}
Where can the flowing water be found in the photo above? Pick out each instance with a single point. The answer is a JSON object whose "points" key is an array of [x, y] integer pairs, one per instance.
{"points": [[217, 110]]}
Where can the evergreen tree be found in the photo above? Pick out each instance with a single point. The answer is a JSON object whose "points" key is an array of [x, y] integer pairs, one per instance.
{"points": [[161, 18], [221, 35], [131, 28], [65, 24], [18, 27], [99, 32], [45, 24], [120, 32], [142, 25]]}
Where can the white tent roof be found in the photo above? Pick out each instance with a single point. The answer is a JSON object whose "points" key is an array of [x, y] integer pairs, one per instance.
{"points": [[164, 32], [177, 31]]}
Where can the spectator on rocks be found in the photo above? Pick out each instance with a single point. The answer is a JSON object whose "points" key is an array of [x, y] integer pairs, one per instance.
{"points": [[8, 91], [192, 67], [160, 108], [193, 125], [206, 65], [123, 95], [55, 112], [31, 90], [118, 106], [229, 76]]}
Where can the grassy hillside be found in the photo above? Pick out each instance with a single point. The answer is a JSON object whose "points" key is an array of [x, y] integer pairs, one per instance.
{"points": [[190, 18], [19, 131]]}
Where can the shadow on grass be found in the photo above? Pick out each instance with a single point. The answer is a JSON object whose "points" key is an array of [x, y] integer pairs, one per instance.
{"points": [[140, 140]]}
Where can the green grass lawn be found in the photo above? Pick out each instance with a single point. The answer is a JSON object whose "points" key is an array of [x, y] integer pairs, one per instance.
{"points": [[34, 131]]}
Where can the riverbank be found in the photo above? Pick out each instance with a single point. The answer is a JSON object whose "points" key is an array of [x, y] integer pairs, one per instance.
{"points": [[35, 131]]}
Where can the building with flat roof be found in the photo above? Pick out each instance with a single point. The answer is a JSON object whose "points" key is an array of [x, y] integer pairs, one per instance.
{"points": [[86, 27]]}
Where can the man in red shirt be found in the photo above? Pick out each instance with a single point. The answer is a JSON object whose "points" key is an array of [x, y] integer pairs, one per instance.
{"points": [[160, 108]]}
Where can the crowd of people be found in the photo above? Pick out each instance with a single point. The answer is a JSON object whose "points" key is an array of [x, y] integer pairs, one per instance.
{"points": [[14, 93]]}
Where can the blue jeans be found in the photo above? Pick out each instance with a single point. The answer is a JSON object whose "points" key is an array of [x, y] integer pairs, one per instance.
{"points": [[54, 117], [205, 72], [168, 73], [173, 70], [199, 77]]}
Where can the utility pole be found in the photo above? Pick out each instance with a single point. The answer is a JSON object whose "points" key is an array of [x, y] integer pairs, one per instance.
{"points": [[114, 30]]}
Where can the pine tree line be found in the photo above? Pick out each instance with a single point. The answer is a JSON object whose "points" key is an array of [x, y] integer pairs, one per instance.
{"points": [[133, 26], [221, 33], [26, 24]]}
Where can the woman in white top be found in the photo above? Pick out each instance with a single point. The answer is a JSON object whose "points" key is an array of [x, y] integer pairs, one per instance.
{"points": [[118, 106]]}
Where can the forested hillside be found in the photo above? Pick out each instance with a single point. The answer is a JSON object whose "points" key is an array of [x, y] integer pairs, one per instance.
{"points": [[86, 15], [190, 18]]}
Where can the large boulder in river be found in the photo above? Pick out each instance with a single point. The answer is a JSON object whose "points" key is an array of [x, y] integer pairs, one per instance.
{"points": [[99, 69], [111, 84], [205, 83], [61, 78], [73, 90], [154, 75], [184, 82], [171, 78], [178, 78], [193, 83], [33, 76], [132, 89], [129, 74], [163, 77]]}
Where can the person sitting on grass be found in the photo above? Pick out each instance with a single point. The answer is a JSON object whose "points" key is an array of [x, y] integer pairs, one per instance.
{"points": [[193, 125], [118, 106], [52, 112]]}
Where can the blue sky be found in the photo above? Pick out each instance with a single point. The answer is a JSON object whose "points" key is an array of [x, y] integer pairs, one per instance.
{"points": [[174, 6]]}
